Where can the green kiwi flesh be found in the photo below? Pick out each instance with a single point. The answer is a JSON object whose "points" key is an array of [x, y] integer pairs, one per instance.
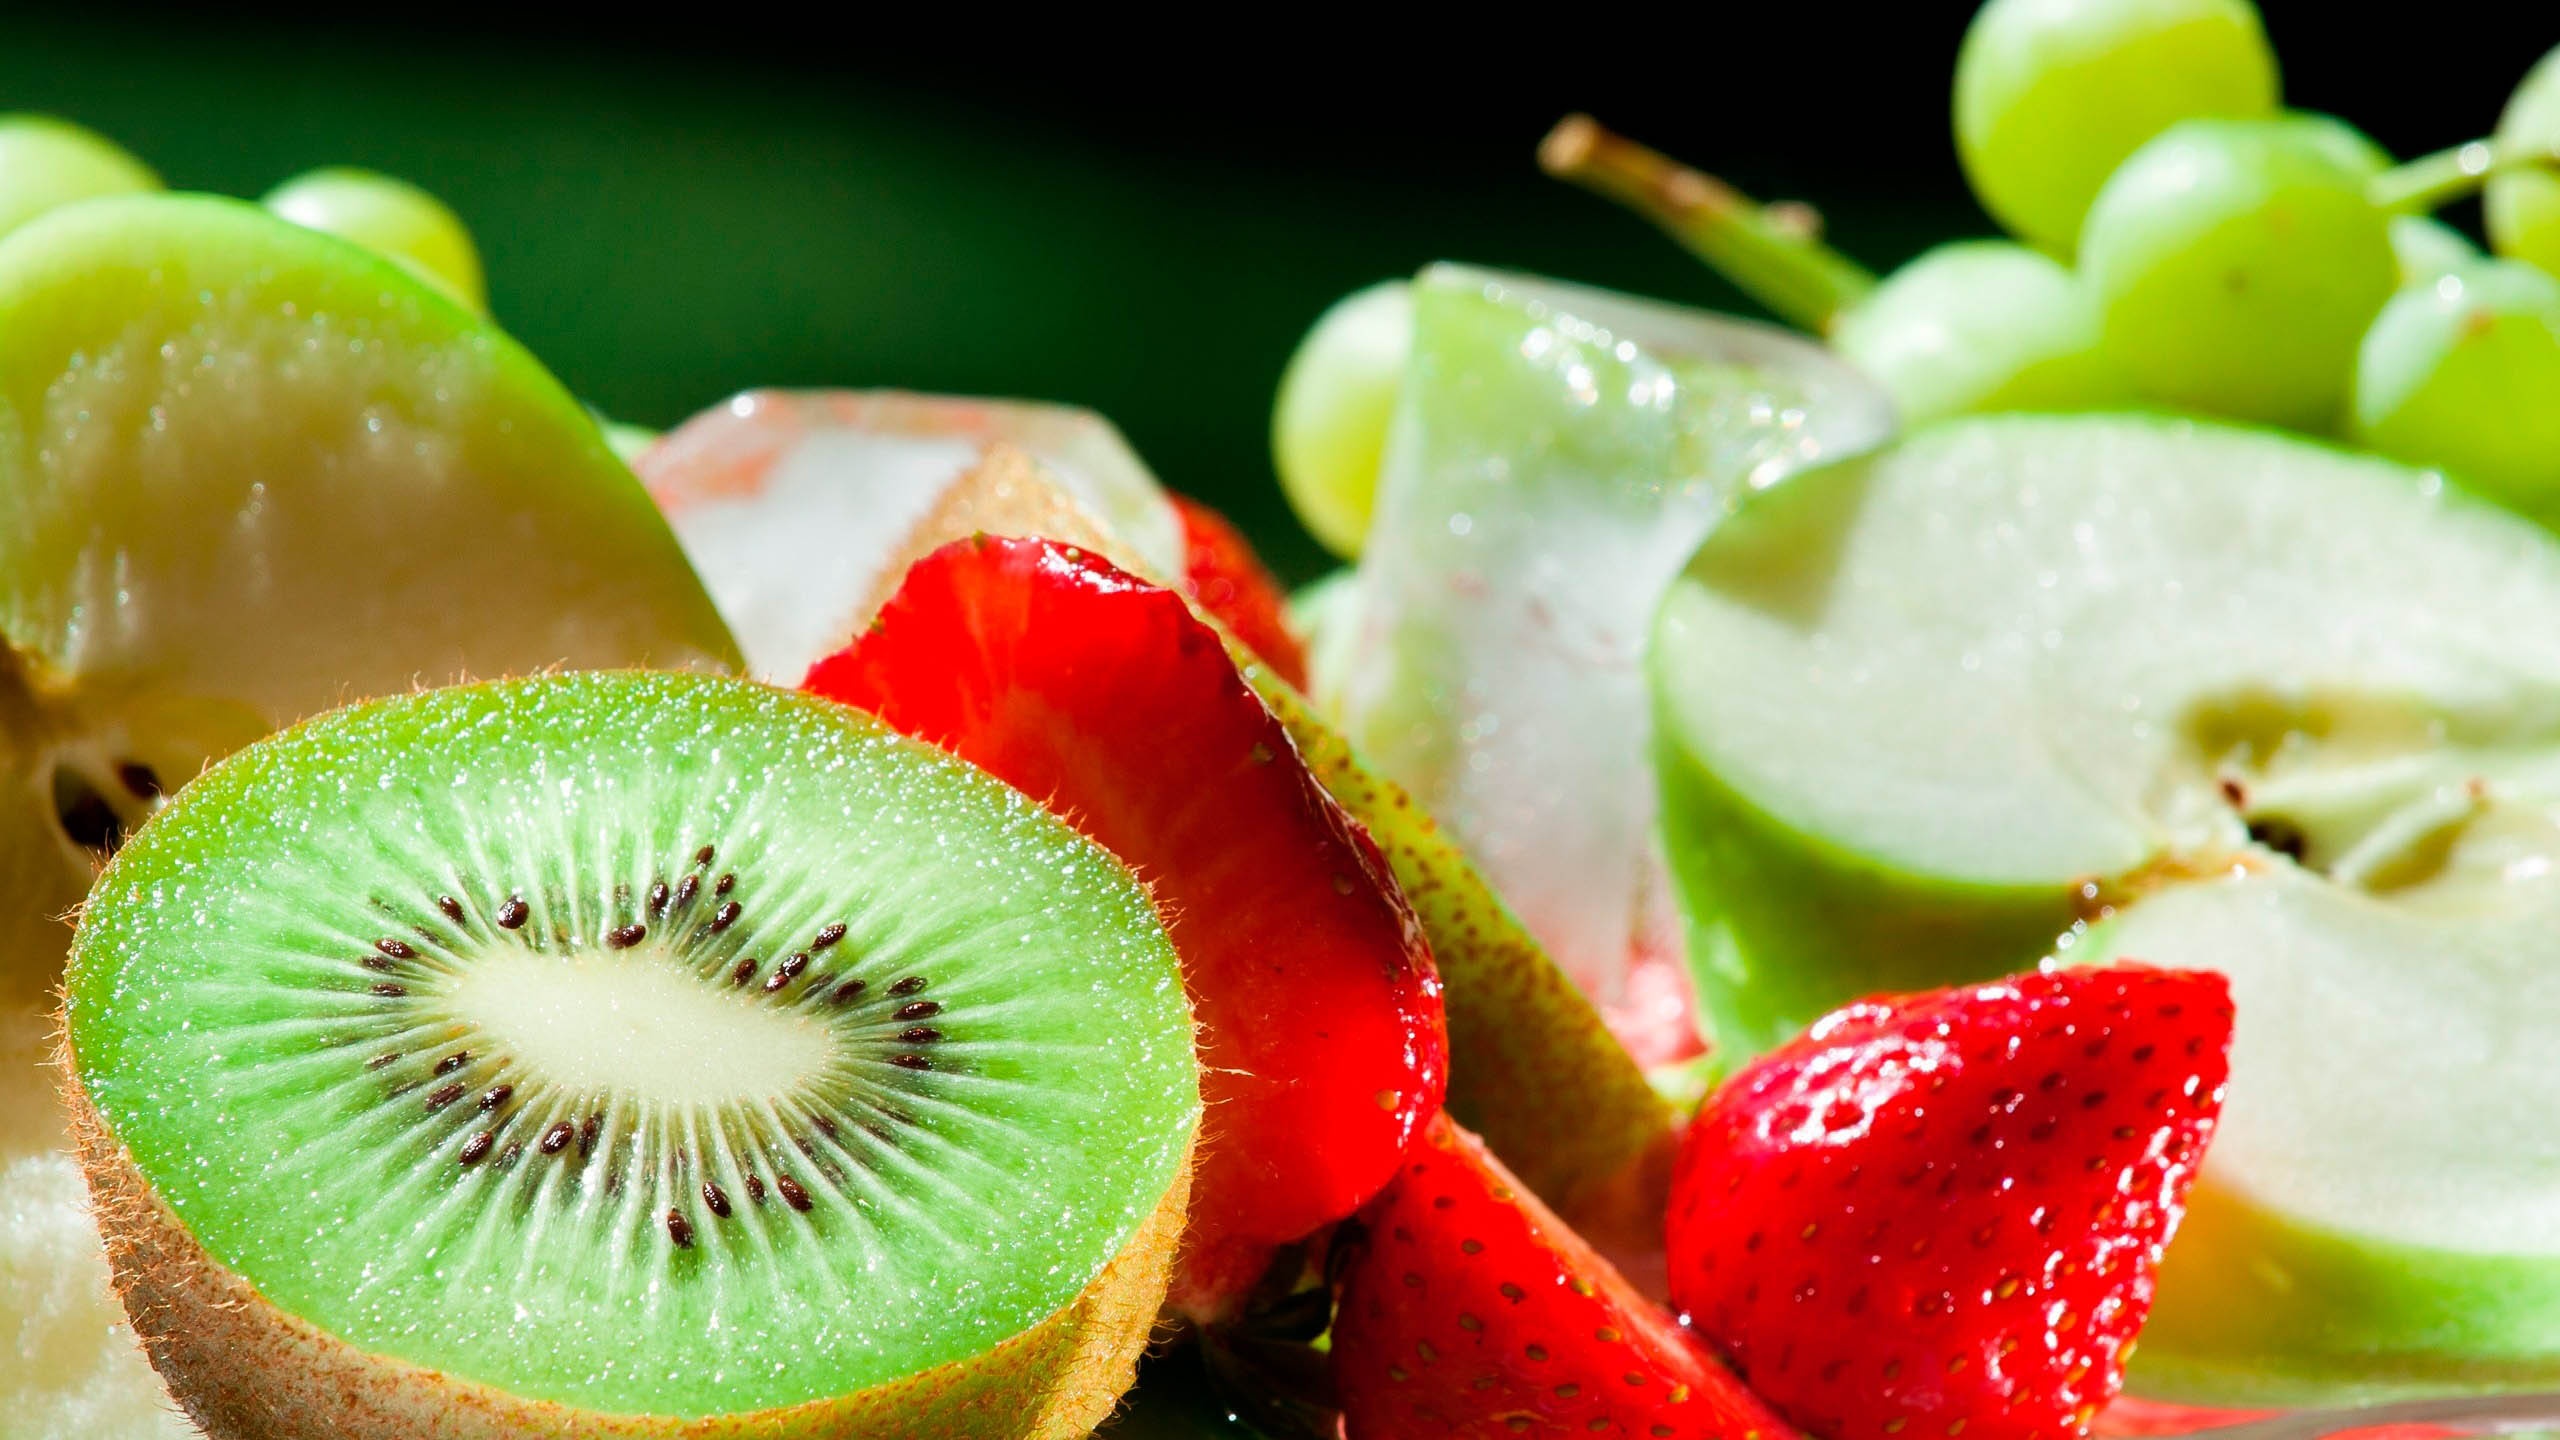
{"points": [[624, 1045]]}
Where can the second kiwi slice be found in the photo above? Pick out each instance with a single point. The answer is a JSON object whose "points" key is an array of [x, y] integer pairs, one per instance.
{"points": [[634, 1055]]}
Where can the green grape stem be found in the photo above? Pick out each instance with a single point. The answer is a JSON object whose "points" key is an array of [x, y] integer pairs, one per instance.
{"points": [[1772, 253], [2432, 182]]}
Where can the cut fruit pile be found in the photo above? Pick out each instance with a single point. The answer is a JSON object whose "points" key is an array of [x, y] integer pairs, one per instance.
{"points": [[1918, 914]]}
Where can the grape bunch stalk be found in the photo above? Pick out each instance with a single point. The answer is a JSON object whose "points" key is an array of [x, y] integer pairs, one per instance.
{"points": [[2178, 240]]}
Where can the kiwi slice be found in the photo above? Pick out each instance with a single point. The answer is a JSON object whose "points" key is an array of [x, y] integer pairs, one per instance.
{"points": [[628, 1054]]}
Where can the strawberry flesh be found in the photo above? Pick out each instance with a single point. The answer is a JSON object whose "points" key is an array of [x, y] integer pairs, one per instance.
{"points": [[1941, 1215], [1466, 1308], [1230, 581], [1322, 1042]]}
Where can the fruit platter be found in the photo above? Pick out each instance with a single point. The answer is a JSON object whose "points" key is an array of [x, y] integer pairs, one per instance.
{"points": [[1976, 862]]}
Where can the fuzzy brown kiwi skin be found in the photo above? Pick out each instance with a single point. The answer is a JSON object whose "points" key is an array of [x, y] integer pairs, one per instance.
{"points": [[245, 1369]]}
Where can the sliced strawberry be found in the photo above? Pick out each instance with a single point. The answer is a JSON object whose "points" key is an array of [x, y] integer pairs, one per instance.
{"points": [[1321, 1037], [1231, 582], [1467, 1308], [1946, 1210]]}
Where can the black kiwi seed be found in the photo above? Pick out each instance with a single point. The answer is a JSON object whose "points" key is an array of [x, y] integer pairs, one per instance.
{"points": [[389, 991], [385, 1058], [755, 1189], [658, 899], [847, 991], [826, 1124], [556, 1139], [679, 1229], [725, 916], [513, 913], [451, 907], [702, 856], [745, 972], [792, 1194], [396, 949], [444, 1095], [919, 1035], [716, 1198], [908, 986], [920, 1010], [380, 962], [476, 1149], [911, 1062], [587, 1134], [623, 937], [828, 936], [724, 885], [686, 890], [786, 972], [453, 1062], [496, 1096]]}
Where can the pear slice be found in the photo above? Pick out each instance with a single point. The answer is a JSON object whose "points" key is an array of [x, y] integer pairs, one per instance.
{"points": [[2276, 710], [247, 472], [1556, 454]]}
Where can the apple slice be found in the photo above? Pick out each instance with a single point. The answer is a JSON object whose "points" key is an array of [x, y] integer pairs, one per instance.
{"points": [[1558, 452], [2282, 712], [247, 472], [793, 504]]}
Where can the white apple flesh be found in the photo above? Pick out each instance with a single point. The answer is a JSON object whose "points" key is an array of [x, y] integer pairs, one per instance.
{"points": [[2242, 702]]}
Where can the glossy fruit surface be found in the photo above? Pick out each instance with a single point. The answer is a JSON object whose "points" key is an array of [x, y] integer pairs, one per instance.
{"points": [[1468, 1309], [1982, 325], [1329, 424], [2052, 95], [2523, 208], [1948, 1208], [45, 163], [1323, 1044], [2236, 264], [391, 216], [2462, 373]]}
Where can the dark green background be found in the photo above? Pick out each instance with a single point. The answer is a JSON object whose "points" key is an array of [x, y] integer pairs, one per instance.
{"points": [[670, 216]]}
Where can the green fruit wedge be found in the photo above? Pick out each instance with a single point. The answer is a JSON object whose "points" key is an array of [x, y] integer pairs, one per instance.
{"points": [[46, 163], [2258, 706], [247, 472], [1557, 453]]}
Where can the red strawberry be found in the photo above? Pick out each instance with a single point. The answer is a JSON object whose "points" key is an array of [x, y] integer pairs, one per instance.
{"points": [[1321, 1038], [1231, 582], [1467, 1308], [1940, 1214]]}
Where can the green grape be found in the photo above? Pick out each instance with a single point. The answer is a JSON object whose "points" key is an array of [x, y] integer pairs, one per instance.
{"points": [[2052, 95], [391, 216], [2523, 206], [1329, 425], [2462, 372], [1982, 325], [46, 162], [2236, 263], [2426, 247]]}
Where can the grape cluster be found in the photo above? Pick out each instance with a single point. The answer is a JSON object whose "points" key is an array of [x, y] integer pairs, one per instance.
{"points": [[47, 163], [2181, 241]]}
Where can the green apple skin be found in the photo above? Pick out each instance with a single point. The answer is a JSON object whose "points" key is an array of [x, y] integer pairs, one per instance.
{"points": [[2255, 1305], [2257, 1309], [1784, 927]]}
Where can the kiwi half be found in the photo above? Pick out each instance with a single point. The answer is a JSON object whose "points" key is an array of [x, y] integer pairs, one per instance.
{"points": [[625, 1054]]}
